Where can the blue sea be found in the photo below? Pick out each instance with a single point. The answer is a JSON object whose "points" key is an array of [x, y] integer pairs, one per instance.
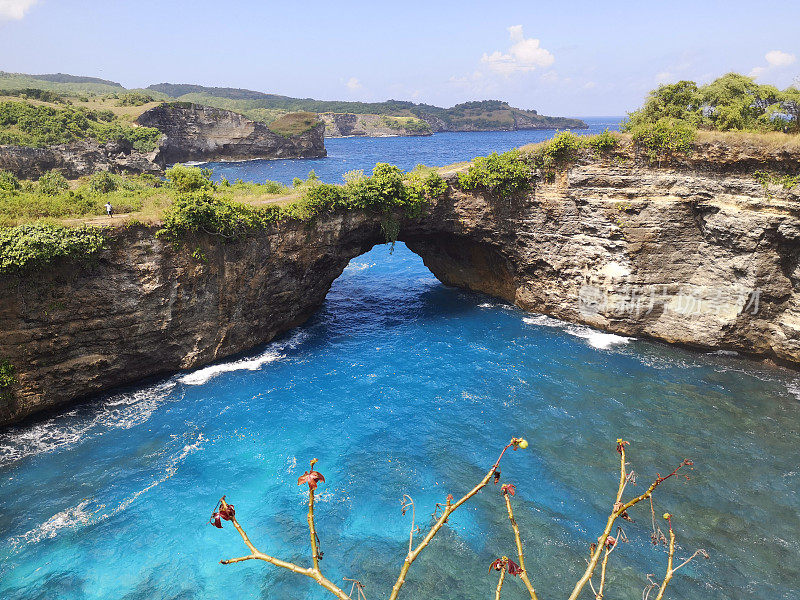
{"points": [[400, 385], [438, 150]]}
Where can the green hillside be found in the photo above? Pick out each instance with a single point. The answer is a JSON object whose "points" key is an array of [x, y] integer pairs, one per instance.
{"points": [[483, 115]]}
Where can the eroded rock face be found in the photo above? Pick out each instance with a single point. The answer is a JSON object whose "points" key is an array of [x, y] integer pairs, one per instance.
{"points": [[350, 124], [195, 132], [701, 258], [146, 308], [76, 159]]}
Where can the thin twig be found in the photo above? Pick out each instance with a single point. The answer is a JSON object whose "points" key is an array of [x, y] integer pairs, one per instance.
{"points": [[500, 583], [619, 509], [448, 510], [314, 574], [520, 555]]}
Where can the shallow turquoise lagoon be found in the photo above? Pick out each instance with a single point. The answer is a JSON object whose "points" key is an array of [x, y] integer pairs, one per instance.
{"points": [[401, 385]]}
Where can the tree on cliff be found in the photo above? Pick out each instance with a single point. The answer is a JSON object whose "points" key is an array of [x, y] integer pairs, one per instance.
{"points": [[730, 102]]}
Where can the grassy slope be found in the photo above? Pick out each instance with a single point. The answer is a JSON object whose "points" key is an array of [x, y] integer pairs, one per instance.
{"points": [[491, 114]]}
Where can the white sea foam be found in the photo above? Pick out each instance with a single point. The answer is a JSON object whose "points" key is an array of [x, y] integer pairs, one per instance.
{"points": [[794, 388], [355, 266], [71, 517], [170, 469], [272, 353], [598, 339], [118, 411], [89, 512], [595, 338]]}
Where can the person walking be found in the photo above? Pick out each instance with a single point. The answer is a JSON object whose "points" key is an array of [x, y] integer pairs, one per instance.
{"points": [[109, 209]]}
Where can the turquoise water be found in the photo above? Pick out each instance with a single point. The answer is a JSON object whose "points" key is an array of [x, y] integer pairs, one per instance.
{"points": [[401, 385], [347, 154]]}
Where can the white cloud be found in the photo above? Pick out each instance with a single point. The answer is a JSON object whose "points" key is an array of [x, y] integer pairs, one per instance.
{"points": [[14, 9], [524, 55], [775, 60], [353, 84]]}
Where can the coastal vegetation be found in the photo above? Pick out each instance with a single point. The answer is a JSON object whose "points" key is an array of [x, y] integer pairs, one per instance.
{"points": [[733, 102], [290, 124], [26, 124], [35, 244], [187, 203], [468, 116]]}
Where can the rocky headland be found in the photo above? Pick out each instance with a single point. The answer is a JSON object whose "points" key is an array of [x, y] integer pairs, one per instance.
{"points": [[696, 252], [194, 132], [190, 133], [357, 125]]}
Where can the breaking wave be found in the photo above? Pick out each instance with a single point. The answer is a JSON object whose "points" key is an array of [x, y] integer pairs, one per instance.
{"points": [[272, 353], [595, 338], [122, 411]]}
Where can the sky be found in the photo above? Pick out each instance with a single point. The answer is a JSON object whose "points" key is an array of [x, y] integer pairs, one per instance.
{"points": [[570, 58]]}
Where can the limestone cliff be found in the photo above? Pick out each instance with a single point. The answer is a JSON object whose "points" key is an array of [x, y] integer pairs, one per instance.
{"points": [[194, 132], [351, 124], [693, 253], [76, 159]]}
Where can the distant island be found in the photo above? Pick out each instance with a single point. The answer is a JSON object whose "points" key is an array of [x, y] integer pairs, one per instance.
{"points": [[341, 118]]}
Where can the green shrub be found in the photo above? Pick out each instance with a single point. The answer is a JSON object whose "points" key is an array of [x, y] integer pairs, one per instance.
{"points": [[134, 99], [319, 199], [388, 189], [733, 102], [384, 190], [501, 174], [422, 186], [52, 183], [202, 213], [189, 179], [103, 182], [26, 124], [603, 143], [30, 246], [9, 182], [7, 375], [665, 137]]}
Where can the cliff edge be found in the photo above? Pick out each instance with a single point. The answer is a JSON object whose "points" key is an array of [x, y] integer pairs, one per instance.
{"points": [[194, 132], [697, 252]]}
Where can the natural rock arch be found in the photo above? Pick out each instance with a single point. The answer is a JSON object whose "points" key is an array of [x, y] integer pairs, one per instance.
{"points": [[147, 308]]}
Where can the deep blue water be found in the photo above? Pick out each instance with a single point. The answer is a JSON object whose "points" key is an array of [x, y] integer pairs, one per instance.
{"points": [[438, 150], [401, 385]]}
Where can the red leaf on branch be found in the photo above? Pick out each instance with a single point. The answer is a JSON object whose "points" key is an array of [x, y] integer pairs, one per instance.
{"points": [[621, 444], [514, 568], [508, 488], [496, 476], [449, 497], [611, 541], [497, 565], [227, 513], [311, 478], [214, 520]]}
